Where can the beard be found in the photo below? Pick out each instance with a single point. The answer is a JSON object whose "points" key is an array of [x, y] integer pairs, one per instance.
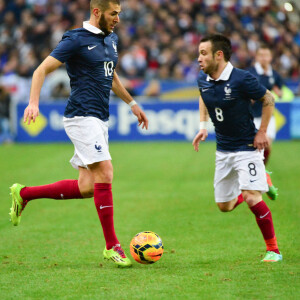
{"points": [[212, 68], [103, 25]]}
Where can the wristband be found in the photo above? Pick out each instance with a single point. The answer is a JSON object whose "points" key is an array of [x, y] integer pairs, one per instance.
{"points": [[203, 125], [132, 103]]}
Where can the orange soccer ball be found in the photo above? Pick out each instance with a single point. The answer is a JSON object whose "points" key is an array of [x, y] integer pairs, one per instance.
{"points": [[146, 247]]}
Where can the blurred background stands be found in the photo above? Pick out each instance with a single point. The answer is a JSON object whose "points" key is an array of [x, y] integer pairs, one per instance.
{"points": [[158, 40]]}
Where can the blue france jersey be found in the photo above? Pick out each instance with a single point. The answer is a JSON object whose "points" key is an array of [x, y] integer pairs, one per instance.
{"points": [[90, 62], [229, 107], [268, 81]]}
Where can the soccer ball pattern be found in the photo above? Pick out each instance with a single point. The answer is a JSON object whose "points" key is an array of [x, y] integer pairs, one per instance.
{"points": [[146, 247]]}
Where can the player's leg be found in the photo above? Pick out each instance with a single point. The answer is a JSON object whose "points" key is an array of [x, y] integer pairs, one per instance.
{"points": [[92, 152], [64, 189], [60, 190], [272, 193], [230, 205], [265, 223], [227, 193], [21, 195], [103, 175], [86, 182], [253, 183]]}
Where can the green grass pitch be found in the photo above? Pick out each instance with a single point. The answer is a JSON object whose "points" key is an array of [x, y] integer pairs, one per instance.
{"points": [[56, 252]]}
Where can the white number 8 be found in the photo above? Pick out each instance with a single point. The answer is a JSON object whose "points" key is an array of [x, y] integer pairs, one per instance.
{"points": [[108, 68], [219, 114]]}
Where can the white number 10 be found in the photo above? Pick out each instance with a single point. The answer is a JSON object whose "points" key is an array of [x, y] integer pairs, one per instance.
{"points": [[108, 68]]}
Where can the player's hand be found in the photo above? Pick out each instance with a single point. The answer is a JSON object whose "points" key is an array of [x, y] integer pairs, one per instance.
{"points": [[261, 140], [200, 137], [30, 113], [141, 116]]}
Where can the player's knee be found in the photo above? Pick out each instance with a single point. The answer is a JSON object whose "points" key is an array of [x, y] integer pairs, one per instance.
{"points": [[224, 207], [86, 187], [106, 176], [88, 193], [102, 172], [252, 197]]}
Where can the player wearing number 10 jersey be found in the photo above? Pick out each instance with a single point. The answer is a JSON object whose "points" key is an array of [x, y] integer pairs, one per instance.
{"points": [[225, 97], [90, 54]]}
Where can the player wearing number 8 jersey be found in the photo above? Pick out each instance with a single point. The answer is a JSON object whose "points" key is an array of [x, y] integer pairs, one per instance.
{"points": [[90, 54], [225, 97]]}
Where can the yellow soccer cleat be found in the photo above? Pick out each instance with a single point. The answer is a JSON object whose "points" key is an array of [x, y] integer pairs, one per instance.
{"points": [[118, 256], [18, 204]]}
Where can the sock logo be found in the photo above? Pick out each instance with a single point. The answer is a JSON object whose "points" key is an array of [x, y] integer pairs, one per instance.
{"points": [[263, 215], [101, 207]]}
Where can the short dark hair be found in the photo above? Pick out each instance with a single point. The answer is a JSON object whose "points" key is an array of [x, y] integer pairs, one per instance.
{"points": [[264, 46], [219, 42], [103, 5]]}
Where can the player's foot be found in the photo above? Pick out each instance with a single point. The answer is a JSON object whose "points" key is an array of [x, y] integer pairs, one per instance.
{"points": [[17, 203], [272, 193], [272, 257], [118, 256]]}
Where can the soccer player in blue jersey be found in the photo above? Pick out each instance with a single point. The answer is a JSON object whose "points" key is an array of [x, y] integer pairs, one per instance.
{"points": [[225, 97], [271, 80], [90, 54]]}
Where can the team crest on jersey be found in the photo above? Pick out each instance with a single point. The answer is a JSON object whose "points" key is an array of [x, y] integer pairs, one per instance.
{"points": [[227, 91], [271, 80]]}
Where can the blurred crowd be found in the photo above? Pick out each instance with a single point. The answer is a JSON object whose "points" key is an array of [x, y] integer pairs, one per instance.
{"points": [[158, 38]]}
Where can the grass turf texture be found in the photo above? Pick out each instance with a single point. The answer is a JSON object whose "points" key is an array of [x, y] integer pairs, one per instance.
{"points": [[56, 252]]}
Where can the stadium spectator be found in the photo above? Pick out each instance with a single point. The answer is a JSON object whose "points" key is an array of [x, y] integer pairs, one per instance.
{"points": [[151, 29], [271, 80], [5, 132]]}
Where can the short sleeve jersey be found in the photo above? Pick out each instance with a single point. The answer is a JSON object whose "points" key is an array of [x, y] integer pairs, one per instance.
{"points": [[228, 101], [268, 81], [90, 58]]}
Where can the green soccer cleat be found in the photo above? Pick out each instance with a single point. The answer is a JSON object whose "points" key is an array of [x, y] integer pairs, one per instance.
{"points": [[117, 255], [17, 203], [272, 257], [272, 193]]}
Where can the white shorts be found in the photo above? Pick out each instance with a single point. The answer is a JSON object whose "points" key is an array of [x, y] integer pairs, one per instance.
{"points": [[271, 131], [237, 171], [89, 136]]}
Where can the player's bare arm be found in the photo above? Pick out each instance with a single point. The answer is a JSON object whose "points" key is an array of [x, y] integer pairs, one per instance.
{"points": [[202, 134], [261, 140], [47, 66], [119, 89]]}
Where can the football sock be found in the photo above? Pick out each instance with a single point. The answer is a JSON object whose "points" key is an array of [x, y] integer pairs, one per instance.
{"points": [[265, 223], [267, 153], [104, 205], [64, 189], [239, 201]]}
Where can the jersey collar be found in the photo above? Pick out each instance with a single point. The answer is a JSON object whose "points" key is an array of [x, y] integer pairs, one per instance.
{"points": [[91, 28], [260, 71], [224, 75]]}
